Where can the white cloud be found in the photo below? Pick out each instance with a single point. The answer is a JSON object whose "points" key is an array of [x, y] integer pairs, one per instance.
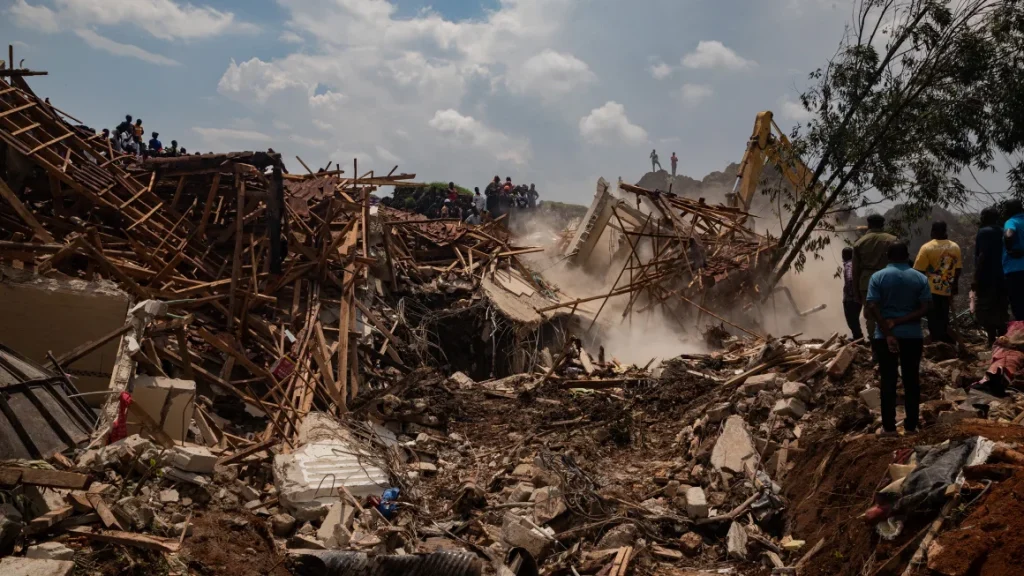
{"points": [[164, 19], [105, 44], [609, 123], [466, 129], [550, 74], [693, 94], [660, 70], [386, 155], [289, 37], [221, 139], [307, 141], [795, 111], [713, 54]]}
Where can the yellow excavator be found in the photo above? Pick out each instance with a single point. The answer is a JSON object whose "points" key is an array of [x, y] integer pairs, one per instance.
{"points": [[768, 143]]}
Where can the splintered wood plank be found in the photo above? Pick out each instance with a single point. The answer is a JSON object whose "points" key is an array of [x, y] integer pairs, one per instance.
{"points": [[24, 213], [177, 192], [32, 126], [88, 347], [208, 206], [49, 143], [11, 476], [16, 110], [236, 259], [129, 539], [146, 216]]}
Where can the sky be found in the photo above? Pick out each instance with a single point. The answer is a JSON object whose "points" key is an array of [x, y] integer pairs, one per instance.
{"points": [[552, 92]]}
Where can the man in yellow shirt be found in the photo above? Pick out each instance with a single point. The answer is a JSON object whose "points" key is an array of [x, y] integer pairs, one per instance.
{"points": [[940, 261]]}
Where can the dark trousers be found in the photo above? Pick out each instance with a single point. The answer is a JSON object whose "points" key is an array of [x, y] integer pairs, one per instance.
{"points": [[1015, 290], [852, 311], [891, 365], [938, 319]]}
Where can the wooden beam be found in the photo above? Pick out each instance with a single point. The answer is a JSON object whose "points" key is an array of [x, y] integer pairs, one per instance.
{"points": [[208, 206], [24, 213], [83, 350], [13, 475], [243, 454]]}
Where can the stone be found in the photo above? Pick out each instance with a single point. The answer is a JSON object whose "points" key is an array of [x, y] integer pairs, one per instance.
{"points": [[525, 470], [50, 551], [300, 542], [15, 566], [180, 527], [132, 513], [621, 535], [672, 488], [842, 362], [548, 504], [340, 515], [253, 505], [719, 412], [696, 503], [690, 543], [872, 398], [195, 459], [168, 496], [666, 554], [797, 390], [755, 384], [248, 492], [734, 449], [521, 492], [790, 407], [282, 525], [791, 545], [736, 542], [423, 467], [518, 532]]}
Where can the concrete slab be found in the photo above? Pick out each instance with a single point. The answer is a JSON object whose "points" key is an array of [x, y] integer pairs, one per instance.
{"points": [[14, 566], [734, 448]]}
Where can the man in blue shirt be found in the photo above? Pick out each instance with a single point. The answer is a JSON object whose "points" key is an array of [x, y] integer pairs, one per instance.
{"points": [[156, 147], [898, 297], [1013, 256]]}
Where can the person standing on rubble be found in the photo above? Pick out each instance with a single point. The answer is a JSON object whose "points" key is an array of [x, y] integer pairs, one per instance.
{"points": [[870, 256], [531, 197], [939, 260], [479, 202], [492, 191], [453, 193], [675, 162], [989, 286], [138, 133], [898, 297], [173, 150], [125, 127], [155, 145], [851, 298], [654, 161], [1013, 256]]}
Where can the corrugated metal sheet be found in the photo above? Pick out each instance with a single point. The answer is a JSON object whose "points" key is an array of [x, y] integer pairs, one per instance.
{"points": [[339, 563], [38, 413]]}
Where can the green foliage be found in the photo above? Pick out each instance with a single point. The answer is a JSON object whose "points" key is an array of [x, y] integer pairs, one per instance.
{"points": [[443, 187]]}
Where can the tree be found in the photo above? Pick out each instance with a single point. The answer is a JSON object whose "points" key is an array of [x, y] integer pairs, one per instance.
{"points": [[918, 92]]}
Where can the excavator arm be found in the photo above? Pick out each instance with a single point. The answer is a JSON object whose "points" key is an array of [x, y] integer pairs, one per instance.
{"points": [[767, 144]]}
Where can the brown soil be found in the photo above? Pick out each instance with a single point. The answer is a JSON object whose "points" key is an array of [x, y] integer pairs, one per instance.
{"points": [[218, 547]]}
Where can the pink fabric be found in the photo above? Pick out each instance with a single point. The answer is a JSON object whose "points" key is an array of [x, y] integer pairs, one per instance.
{"points": [[120, 428]]}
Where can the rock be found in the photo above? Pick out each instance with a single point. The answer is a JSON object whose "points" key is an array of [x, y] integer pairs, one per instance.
{"points": [[690, 543], [548, 504], [719, 412], [253, 505], [14, 566], [340, 515], [841, 363], [666, 554], [197, 459], [248, 493], [790, 545], [423, 467], [791, 407], [872, 398], [300, 542], [180, 527], [519, 532], [733, 450], [736, 542], [50, 551], [755, 384], [282, 525], [521, 492], [621, 535], [312, 511], [132, 513], [168, 496], [696, 503], [307, 529], [672, 488], [797, 390]]}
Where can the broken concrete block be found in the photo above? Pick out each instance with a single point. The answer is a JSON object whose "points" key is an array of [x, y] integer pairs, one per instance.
{"points": [[791, 407], [690, 543], [519, 532], [621, 535], [548, 504], [797, 390], [132, 513], [719, 412], [736, 541], [734, 448], [423, 467], [50, 551], [300, 542], [840, 365], [672, 488], [195, 459], [755, 384], [339, 516], [168, 496], [872, 398], [696, 503], [248, 493], [521, 492], [14, 566], [168, 401], [462, 381]]}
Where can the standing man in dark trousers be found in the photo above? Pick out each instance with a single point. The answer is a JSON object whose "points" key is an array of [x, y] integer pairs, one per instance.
{"points": [[940, 260], [851, 299], [1013, 256], [989, 285], [870, 254], [898, 297]]}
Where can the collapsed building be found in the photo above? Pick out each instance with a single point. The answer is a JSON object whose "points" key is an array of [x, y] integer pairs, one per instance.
{"points": [[211, 365]]}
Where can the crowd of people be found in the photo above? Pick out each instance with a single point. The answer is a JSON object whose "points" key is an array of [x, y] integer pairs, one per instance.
{"points": [[497, 200], [896, 293], [129, 138]]}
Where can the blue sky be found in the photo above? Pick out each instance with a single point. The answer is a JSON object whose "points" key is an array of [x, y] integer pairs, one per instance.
{"points": [[556, 92]]}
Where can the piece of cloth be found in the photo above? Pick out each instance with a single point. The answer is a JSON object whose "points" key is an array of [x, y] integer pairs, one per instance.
{"points": [[939, 260], [851, 308], [1013, 264], [938, 319], [868, 320], [938, 466], [899, 290], [849, 286], [119, 429], [871, 254], [1015, 292], [891, 366], [1008, 352]]}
